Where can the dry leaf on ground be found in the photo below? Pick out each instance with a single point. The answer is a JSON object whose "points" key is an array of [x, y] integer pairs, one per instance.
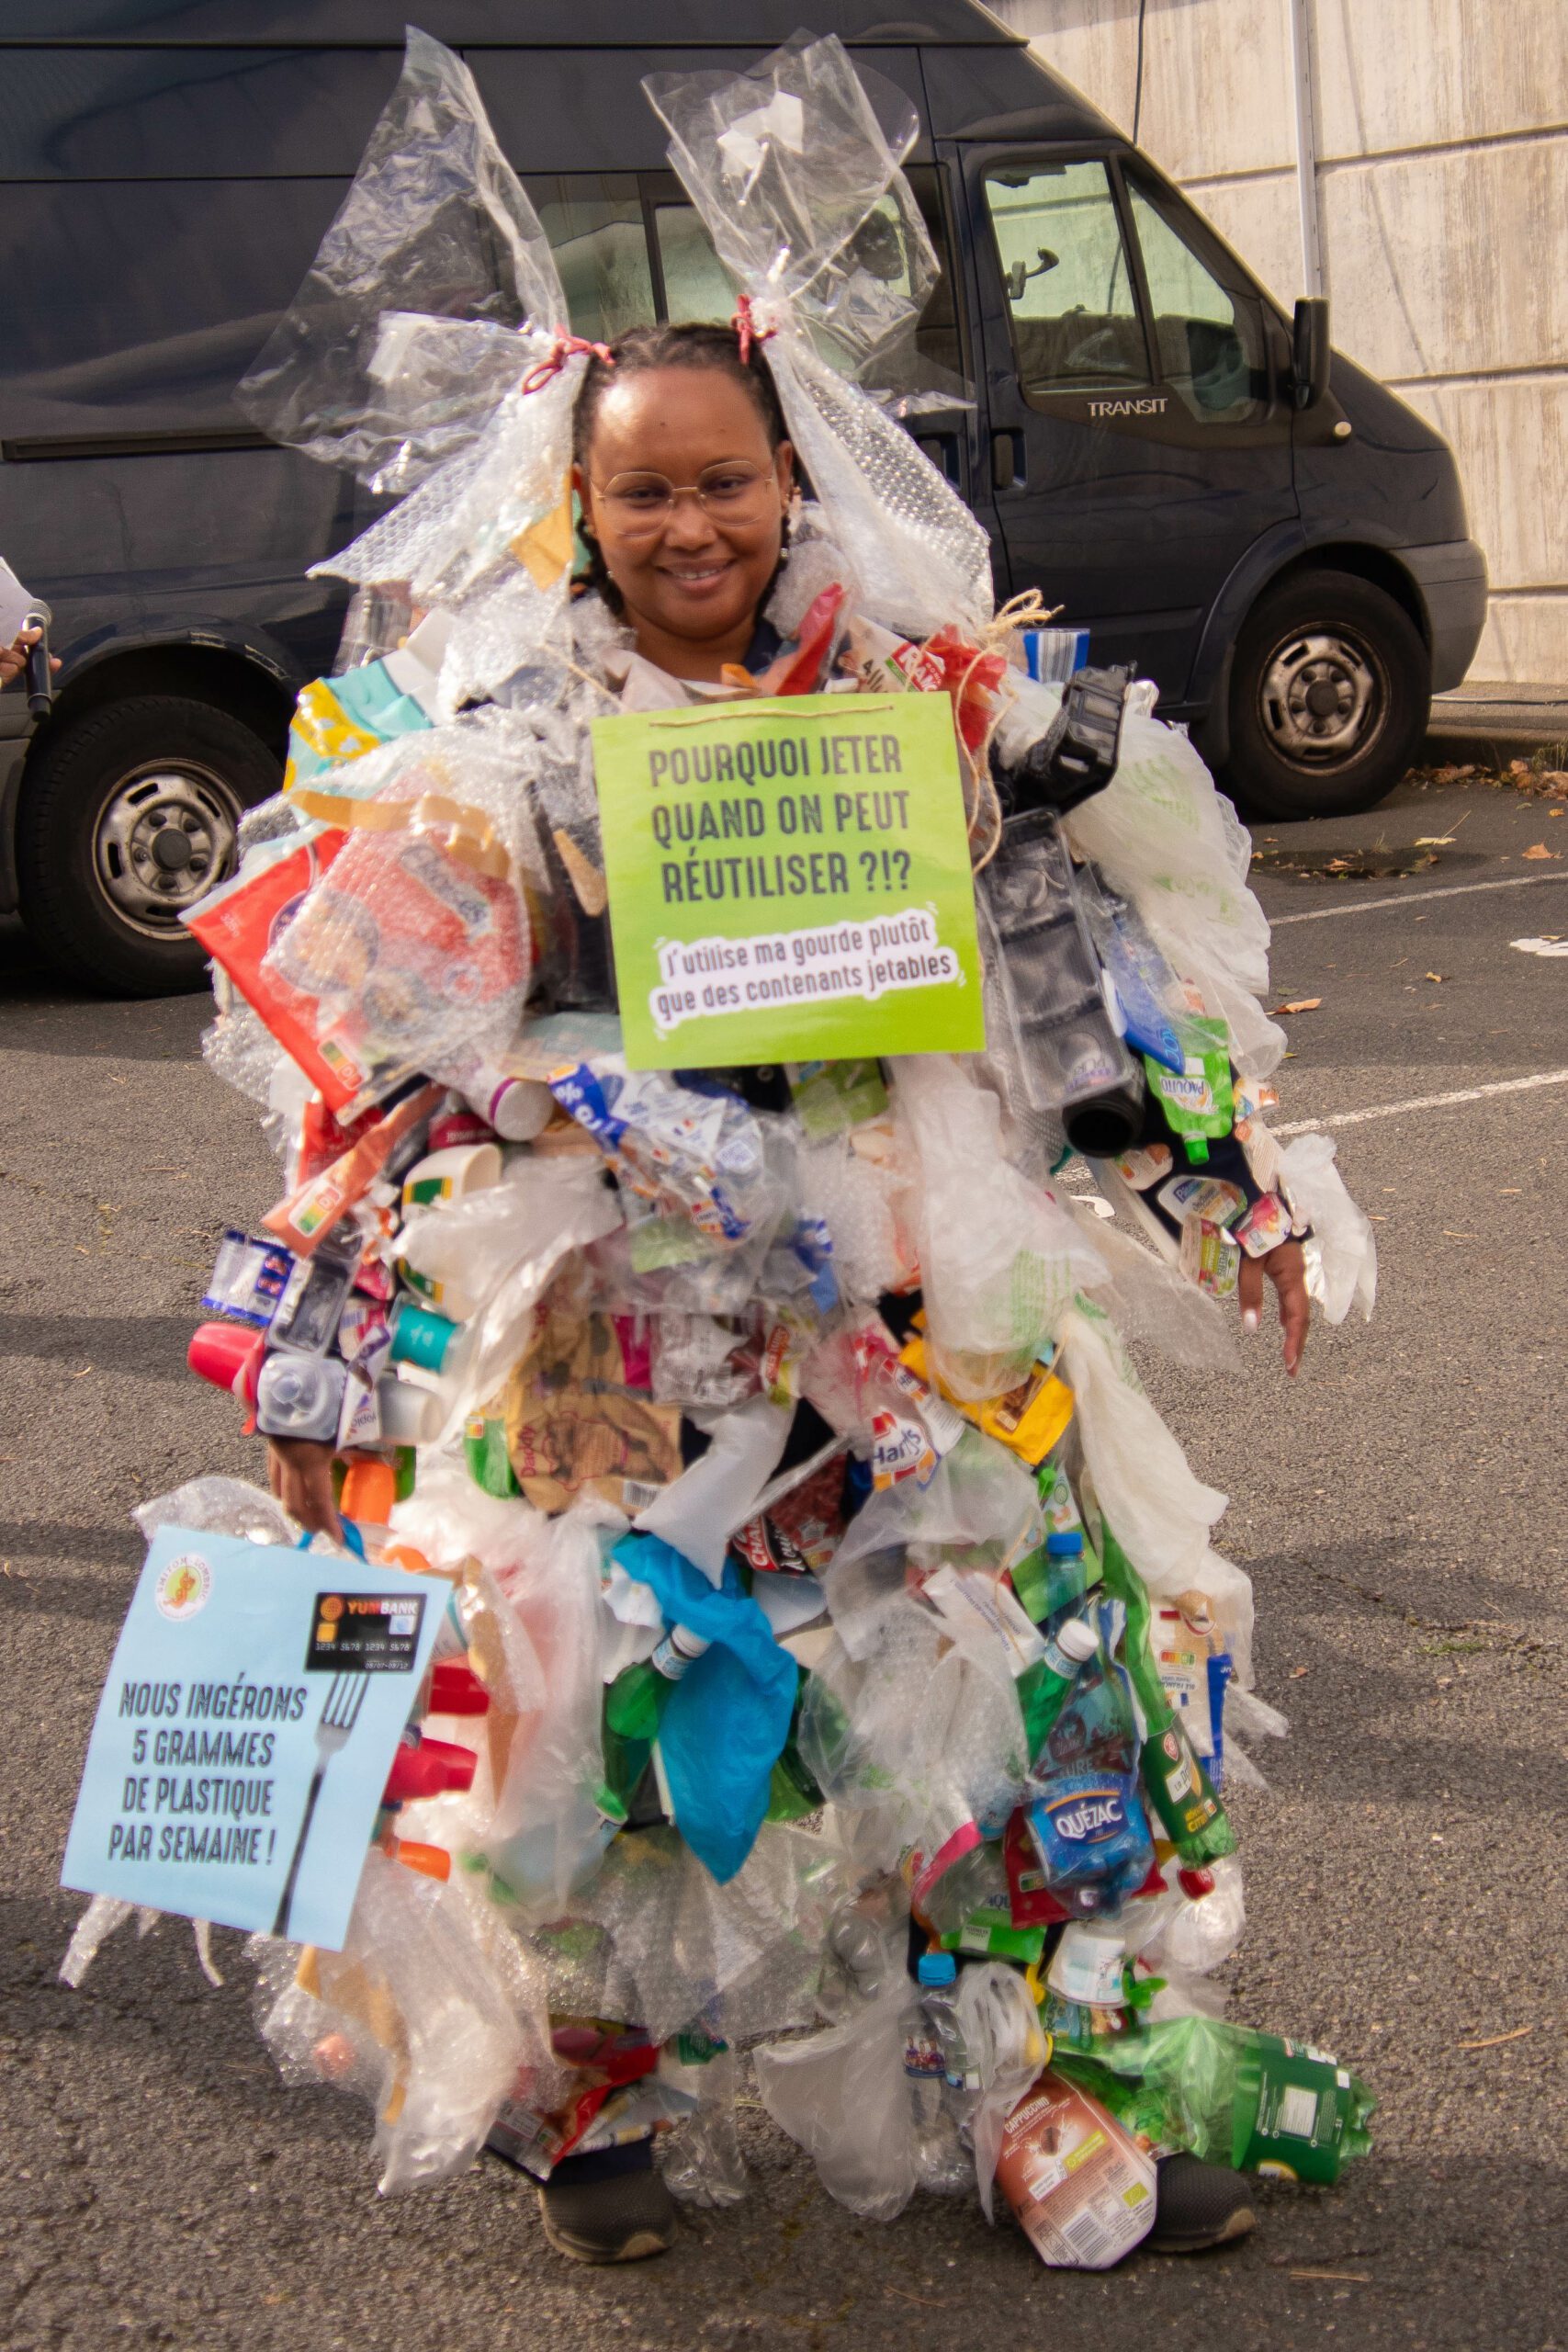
{"points": [[1437, 976], [1298, 1004], [1538, 849]]}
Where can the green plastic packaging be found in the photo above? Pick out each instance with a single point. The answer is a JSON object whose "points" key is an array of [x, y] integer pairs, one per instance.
{"points": [[989, 1934], [832, 1097], [1233, 2097], [1198, 1103], [1177, 1787], [484, 1450]]}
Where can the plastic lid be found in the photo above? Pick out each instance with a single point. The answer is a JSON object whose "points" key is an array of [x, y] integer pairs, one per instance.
{"points": [[936, 1968], [1064, 1543], [1078, 1640]]}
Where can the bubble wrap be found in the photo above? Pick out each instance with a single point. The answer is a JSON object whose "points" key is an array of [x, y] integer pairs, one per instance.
{"points": [[240, 1049], [853, 1197], [415, 2004], [685, 1949]]}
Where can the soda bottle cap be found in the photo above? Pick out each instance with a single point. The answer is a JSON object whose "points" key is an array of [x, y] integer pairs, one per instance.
{"points": [[936, 1968], [369, 1490], [1078, 1640], [1064, 1543]]}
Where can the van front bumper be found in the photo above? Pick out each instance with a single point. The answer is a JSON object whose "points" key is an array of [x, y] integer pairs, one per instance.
{"points": [[1451, 579]]}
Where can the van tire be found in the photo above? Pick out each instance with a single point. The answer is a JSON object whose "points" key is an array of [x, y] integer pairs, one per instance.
{"points": [[1337, 638], [127, 814]]}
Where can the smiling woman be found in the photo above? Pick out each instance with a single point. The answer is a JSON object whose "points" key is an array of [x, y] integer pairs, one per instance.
{"points": [[685, 475]]}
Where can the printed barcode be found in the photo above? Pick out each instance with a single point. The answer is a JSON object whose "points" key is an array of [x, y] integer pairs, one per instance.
{"points": [[1298, 2112], [637, 1495], [1086, 2237]]}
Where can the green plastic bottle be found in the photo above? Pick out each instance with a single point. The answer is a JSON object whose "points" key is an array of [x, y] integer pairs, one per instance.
{"points": [[1177, 1787], [1042, 1688], [636, 1696]]}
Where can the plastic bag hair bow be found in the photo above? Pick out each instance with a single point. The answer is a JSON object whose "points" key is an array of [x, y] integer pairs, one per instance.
{"points": [[797, 174], [565, 347]]}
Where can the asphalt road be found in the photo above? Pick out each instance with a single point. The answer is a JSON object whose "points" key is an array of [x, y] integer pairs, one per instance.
{"points": [[1401, 1511]]}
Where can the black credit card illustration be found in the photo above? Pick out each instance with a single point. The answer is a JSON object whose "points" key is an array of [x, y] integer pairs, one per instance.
{"points": [[365, 1633]]}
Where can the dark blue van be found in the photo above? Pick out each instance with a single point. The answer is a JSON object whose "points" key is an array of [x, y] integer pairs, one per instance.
{"points": [[1282, 544]]}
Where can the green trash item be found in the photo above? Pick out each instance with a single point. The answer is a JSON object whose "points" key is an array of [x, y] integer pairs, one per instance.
{"points": [[1253, 2101], [1178, 1789]]}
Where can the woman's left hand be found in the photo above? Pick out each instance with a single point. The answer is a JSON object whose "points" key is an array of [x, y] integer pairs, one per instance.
{"points": [[1286, 1268]]}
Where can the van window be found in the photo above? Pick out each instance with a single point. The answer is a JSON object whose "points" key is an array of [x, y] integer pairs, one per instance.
{"points": [[1070, 297], [924, 372], [697, 284], [1211, 340], [595, 227]]}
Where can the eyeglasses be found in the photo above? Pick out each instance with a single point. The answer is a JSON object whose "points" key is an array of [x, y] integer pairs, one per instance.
{"points": [[731, 492]]}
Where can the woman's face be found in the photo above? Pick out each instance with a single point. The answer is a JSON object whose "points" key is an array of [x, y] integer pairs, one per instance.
{"points": [[687, 572]]}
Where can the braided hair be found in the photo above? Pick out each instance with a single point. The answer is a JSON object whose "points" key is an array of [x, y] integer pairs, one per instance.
{"points": [[639, 352]]}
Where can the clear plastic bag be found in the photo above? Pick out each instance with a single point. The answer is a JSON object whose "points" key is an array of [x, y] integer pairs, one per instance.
{"points": [[1004, 2050], [222, 1506], [842, 2095], [1001, 1259], [1342, 1254], [1160, 1513], [701, 2160], [398, 346], [413, 947]]}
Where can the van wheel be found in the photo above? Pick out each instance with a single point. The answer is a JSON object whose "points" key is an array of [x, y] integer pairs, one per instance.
{"points": [[129, 815], [1331, 691]]}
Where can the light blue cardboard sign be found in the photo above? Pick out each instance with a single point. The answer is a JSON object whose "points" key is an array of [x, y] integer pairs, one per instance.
{"points": [[245, 1733]]}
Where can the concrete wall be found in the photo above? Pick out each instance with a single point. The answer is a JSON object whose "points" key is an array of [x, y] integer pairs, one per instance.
{"points": [[1442, 179]]}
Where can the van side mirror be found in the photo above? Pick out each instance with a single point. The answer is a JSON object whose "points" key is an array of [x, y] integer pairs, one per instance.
{"points": [[1311, 353]]}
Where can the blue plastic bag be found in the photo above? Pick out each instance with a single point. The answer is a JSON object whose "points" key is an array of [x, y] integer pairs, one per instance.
{"points": [[725, 1723]]}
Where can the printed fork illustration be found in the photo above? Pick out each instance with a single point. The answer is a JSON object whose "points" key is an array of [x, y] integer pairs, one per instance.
{"points": [[338, 1718]]}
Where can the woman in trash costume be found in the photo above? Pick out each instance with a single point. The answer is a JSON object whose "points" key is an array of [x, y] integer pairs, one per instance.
{"points": [[855, 1652]]}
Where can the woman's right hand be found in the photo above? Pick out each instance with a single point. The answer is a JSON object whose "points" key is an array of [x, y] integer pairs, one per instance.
{"points": [[299, 1473]]}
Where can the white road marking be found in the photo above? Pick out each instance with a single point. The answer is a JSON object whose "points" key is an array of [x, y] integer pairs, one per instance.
{"points": [[1426, 1103], [1413, 898]]}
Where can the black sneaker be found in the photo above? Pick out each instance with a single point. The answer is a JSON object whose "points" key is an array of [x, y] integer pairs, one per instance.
{"points": [[1198, 2206], [626, 2218]]}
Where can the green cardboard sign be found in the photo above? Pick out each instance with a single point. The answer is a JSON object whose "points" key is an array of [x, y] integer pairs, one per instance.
{"points": [[789, 880]]}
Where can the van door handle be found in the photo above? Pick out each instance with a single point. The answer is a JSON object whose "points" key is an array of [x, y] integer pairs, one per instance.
{"points": [[1004, 461], [942, 449]]}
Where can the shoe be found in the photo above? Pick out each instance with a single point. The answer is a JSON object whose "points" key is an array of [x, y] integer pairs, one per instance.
{"points": [[625, 2219], [1198, 2206]]}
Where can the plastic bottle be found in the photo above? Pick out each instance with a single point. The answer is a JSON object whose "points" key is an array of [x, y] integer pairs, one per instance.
{"points": [[1042, 1688], [517, 1108], [940, 2160], [636, 1696]]}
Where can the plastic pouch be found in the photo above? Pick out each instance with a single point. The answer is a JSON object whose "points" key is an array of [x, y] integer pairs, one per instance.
{"points": [[1074, 1062], [1197, 1102]]}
